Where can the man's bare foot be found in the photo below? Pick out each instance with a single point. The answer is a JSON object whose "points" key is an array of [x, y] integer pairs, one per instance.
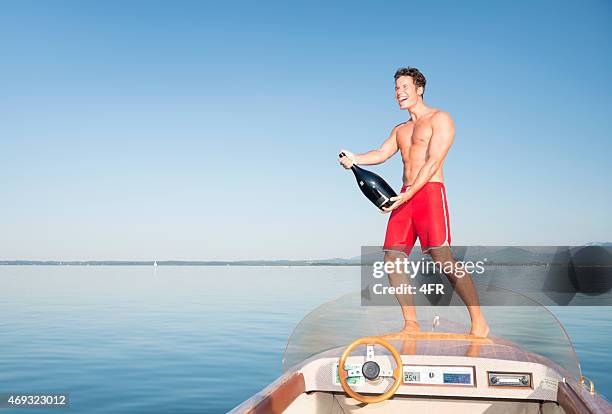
{"points": [[410, 327], [480, 327]]}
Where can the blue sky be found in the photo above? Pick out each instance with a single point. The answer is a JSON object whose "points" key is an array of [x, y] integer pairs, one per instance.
{"points": [[210, 130]]}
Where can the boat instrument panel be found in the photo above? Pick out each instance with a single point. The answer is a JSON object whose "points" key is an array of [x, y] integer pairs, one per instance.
{"points": [[449, 376]]}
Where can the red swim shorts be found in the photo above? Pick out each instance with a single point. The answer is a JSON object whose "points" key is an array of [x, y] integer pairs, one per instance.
{"points": [[424, 216]]}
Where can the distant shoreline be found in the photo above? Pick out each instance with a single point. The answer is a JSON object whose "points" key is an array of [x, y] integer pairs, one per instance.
{"points": [[241, 263], [599, 254], [280, 263]]}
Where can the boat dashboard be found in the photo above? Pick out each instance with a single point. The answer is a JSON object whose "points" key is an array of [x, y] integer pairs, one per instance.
{"points": [[443, 376]]}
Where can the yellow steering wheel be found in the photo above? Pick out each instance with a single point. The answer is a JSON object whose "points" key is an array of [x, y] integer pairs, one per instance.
{"points": [[371, 371]]}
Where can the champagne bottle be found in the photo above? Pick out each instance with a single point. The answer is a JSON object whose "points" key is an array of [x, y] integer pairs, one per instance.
{"points": [[373, 186]]}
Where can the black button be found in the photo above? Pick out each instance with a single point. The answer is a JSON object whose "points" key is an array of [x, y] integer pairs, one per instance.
{"points": [[370, 370]]}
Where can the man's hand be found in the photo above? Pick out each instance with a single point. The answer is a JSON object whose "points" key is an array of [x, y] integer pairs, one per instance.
{"points": [[398, 201], [348, 160]]}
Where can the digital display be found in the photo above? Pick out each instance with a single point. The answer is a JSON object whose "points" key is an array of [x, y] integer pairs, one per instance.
{"points": [[450, 378], [412, 376]]}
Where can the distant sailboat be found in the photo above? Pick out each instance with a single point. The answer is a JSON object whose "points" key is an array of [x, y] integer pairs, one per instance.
{"points": [[155, 263]]}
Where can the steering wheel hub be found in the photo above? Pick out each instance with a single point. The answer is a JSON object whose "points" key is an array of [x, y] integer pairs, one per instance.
{"points": [[370, 370]]}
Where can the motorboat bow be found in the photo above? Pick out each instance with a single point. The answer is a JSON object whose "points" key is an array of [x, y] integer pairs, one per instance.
{"points": [[344, 357]]}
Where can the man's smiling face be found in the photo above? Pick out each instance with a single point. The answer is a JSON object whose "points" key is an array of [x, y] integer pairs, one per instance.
{"points": [[406, 92]]}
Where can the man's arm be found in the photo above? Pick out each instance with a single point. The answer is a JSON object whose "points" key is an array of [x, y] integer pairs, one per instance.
{"points": [[386, 151], [443, 133]]}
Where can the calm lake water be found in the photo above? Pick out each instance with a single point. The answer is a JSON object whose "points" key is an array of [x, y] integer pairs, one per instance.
{"points": [[183, 339]]}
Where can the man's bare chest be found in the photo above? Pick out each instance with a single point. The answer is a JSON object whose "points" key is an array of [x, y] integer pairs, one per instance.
{"points": [[414, 136]]}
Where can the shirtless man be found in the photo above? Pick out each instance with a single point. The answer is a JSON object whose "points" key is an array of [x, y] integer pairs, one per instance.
{"points": [[420, 210]]}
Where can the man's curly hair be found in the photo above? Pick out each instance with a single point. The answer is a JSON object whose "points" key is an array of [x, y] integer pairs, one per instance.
{"points": [[417, 77]]}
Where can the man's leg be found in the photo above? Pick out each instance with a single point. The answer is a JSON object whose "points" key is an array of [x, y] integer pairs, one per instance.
{"points": [[405, 300], [465, 288]]}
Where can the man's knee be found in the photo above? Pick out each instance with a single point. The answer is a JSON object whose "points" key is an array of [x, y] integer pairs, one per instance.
{"points": [[441, 255], [392, 256]]}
